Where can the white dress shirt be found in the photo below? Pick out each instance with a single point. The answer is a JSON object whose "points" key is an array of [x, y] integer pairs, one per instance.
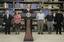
{"points": [[40, 16], [7, 16], [7, 13]]}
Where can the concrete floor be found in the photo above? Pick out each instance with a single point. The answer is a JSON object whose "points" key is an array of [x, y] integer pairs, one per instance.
{"points": [[37, 38]]}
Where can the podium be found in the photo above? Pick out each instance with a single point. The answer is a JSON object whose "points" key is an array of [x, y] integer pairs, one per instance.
{"points": [[28, 33]]}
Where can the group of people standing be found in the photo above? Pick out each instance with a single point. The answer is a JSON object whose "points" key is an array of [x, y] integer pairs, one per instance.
{"points": [[50, 19], [41, 18], [8, 20]]}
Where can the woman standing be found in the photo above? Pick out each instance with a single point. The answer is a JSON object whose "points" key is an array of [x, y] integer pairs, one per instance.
{"points": [[17, 21]]}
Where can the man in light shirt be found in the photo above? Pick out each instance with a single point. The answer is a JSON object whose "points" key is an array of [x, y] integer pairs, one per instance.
{"points": [[40, 17]]}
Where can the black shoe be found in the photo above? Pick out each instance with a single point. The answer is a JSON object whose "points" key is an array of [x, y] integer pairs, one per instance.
{"points": [[60, 33], [56, 33], [38, 32], [9, 33], [41, 33], [5, 32]]}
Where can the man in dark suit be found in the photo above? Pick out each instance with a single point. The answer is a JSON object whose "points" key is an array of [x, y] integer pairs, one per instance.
{"points": [[58, 20], [7, 21]]}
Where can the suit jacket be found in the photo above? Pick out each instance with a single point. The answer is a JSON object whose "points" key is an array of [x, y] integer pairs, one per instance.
{"points": [[58, 18], [7, 20]]}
